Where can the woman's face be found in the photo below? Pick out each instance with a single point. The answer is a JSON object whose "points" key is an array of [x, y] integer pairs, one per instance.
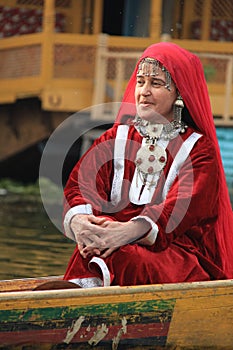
{"points": [[154, 102]]}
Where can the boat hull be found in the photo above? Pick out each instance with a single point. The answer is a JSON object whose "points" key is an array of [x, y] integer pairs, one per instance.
{"points": [[185, 315]]}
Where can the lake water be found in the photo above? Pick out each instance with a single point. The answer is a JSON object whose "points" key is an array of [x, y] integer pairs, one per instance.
{"points": [[31, 246]]}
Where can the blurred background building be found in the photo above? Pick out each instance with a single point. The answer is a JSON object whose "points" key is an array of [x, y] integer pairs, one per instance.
{"points": [[58, 57]]}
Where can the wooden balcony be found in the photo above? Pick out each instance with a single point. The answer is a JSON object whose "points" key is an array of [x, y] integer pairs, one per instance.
{"points": [[67, 71], [81, 67]]}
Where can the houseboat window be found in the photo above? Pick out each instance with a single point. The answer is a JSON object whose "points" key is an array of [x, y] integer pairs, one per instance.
{"points": [[126, 17]]}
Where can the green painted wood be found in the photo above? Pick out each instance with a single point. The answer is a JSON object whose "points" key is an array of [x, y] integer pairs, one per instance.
{"points": [[110, 310]]}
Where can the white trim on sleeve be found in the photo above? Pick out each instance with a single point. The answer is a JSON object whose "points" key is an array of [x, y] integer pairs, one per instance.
{"points": [[104, 269], [153, 233], [78, 209]]}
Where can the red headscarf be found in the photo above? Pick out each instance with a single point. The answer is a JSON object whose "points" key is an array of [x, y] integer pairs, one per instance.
{"points": [[187, 72]]}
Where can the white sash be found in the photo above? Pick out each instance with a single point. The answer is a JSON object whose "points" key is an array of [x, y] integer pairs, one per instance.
{"points": [[179, 160], [119, 163]]}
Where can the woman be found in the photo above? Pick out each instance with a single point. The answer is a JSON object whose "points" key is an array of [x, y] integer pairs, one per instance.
{"points": [[148, 203]]}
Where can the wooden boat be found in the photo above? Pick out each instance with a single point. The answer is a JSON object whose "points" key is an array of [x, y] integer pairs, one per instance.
{"points": [[196, 315]]}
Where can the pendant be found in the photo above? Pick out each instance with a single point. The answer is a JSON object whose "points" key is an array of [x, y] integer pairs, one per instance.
{"points": [[154, 130], [151, 159]]}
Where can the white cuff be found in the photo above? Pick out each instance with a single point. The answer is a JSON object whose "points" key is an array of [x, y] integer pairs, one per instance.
{"points": [[78, 209], [152, 234]]}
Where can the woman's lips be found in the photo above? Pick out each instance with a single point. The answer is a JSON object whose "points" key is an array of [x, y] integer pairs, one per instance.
{"points": [[146, 104]]}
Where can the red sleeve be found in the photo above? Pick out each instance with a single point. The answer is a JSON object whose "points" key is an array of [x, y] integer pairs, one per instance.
{"points": [[191, 203], [85, 185]]}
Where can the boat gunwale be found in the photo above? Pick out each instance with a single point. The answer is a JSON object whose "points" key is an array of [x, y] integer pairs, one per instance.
{"points": [[117, 290]]}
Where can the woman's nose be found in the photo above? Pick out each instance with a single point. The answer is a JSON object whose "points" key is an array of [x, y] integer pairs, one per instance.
{"points": [[146, 91]]}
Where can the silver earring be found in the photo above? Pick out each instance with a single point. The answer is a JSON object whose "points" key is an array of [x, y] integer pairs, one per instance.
{"points": [[178, 107]]}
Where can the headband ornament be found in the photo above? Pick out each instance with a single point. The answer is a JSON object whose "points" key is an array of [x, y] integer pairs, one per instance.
{"points": [[150, 67]]}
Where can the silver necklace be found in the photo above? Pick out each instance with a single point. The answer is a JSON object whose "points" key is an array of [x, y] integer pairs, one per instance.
{"points": [[166, 131], [152, 158]]}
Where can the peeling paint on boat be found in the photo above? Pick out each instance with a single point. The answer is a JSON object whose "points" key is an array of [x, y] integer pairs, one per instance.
{"points": [[123, 330], [100, 334], [73, 330]]}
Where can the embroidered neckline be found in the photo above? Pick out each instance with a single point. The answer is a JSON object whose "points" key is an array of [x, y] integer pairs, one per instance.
{"points": [[152, 158], [152, 132]]}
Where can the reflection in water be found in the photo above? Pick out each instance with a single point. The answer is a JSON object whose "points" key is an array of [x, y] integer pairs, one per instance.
{"points": [[31, 246]]}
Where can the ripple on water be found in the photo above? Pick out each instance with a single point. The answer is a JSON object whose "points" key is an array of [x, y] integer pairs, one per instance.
{"points": [[31, 246]]}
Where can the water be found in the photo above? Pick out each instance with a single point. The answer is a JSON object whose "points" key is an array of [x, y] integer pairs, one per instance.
{"points": [[30, 245]]}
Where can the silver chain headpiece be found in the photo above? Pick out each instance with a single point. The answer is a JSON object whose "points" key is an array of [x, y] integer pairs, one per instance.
{"points": [[150, 67]]}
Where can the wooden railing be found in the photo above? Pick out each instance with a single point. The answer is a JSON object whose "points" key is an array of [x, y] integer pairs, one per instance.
{"points": [[40, 65], [221, 94], [69, 72]]}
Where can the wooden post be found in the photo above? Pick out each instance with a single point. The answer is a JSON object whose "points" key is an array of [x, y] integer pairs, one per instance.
{"points": [[97, 17], [47, 58], [76, 15], [155, 19], [206, 20], [228, 91], [49, 16], [100, 79], [187, 18]]}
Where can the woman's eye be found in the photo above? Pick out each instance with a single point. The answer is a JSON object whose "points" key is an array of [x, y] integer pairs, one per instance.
{"points": [[156, 83]]}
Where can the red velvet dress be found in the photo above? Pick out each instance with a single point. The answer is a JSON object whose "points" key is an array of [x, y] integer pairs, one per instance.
{"points": [[185, 248]]}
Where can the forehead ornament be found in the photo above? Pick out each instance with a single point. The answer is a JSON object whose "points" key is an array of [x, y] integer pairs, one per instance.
{"points": [[150, 67]]}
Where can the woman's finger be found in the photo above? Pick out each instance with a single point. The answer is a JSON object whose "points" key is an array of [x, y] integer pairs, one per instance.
{"points": [[107, 252], [83, 239], [93, 240]]}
